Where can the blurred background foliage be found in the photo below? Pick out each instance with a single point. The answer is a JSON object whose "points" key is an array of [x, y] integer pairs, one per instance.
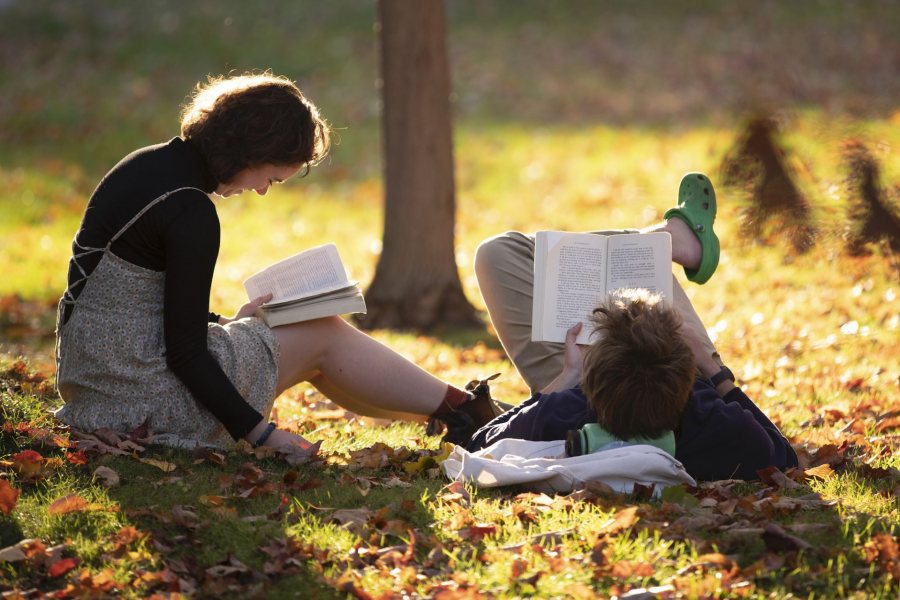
{"points": [[93, 79]]}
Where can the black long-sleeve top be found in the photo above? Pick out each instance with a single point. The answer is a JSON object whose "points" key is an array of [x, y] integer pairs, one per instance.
{"points": [[718, 437], [179, 236]]}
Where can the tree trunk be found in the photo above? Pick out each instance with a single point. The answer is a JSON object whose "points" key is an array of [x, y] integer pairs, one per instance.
{"points": [[416, 283]]}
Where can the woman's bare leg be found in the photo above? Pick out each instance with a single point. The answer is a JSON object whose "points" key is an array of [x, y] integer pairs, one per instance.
{"points": [[355, 370], [338, 395]]}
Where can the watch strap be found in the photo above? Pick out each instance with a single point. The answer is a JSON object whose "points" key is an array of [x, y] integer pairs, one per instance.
{"points": [[723, 374]]}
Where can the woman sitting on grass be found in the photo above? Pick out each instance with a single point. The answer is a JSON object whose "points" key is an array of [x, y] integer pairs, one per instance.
{"points": [[136, 340]]}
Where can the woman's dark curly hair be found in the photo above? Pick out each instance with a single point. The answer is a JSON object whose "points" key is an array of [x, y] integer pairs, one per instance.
{"points": [[251, 120], [639, 371]]}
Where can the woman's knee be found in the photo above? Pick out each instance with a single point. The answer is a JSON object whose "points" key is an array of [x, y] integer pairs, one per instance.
{"points": [[317, 333]]}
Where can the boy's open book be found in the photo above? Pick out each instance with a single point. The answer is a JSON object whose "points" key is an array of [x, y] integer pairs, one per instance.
{"points": [[573, 273], [309, 285]]}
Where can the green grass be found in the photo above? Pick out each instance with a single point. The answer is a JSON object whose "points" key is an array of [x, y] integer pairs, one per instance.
{"points": [[579, 115]]}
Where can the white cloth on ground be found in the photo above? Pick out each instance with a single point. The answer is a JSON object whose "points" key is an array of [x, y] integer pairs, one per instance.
{"points": [[544, 467]]}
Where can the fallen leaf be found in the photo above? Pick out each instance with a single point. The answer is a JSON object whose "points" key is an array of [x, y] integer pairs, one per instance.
{"points": [[887, 422], [883, 550], [27, 549], [706, 562], [295, 455], [623, 519], [8, 497], [141, 433], [71, 503], [395, 481], [456, 492], [61, 567], [823, 471], [353, 518], [827, 454], [13, 554], [477, 532], [773, 477], [106, 476], [778, 540], [185, 517], [162, 465], [624, 569], [28, 463], [678, 494], [596, 488], [229, 566], [208, 454], [77, 458]]}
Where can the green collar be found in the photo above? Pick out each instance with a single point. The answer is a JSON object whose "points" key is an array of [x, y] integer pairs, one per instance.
{"points": [[600, 438]]}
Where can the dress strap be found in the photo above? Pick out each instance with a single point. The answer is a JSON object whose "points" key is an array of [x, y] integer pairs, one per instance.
{"points": [[80, 250], [141, 212]]}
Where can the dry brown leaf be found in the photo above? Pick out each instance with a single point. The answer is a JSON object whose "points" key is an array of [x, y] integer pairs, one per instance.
{"points": [[14, 553], [208, 454], [883, 550], [28, 463], [823, 471], [477, 532], [773, 477], [700, 522], [71, 503], [887, 422], [61, 567], [165, 467], [295, 455], [184, 516], [106, 476], [8, 497], [353, 518], [622, 520], [778, 540], [456, 492]]}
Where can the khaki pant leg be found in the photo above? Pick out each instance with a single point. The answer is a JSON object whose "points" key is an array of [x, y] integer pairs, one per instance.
{"points": [[504, 268]]}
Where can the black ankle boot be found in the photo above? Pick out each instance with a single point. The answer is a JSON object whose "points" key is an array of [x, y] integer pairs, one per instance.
{"points": [[462, 423]]}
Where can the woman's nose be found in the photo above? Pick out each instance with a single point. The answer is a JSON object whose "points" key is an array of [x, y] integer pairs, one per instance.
{"points": [[262, 191]]}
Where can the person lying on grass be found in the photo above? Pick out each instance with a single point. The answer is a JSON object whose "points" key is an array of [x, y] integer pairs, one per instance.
{"points": [[652, 375], [136, 341]]}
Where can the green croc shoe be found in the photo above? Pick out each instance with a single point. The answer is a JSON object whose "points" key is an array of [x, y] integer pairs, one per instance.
{"points": [[697, 208]]}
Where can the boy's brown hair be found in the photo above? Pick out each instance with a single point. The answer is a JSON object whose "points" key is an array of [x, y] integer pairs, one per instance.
{"points": [[247, 121], [640, 370]]}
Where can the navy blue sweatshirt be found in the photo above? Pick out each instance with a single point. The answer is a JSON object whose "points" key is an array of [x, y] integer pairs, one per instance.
{"points": [[718, 438]]}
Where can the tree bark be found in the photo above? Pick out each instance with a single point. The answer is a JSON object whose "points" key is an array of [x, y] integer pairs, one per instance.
{"points": [[416, 283]]}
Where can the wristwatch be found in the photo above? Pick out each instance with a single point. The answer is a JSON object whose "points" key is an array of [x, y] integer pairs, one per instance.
{"points": [[723, 374]]}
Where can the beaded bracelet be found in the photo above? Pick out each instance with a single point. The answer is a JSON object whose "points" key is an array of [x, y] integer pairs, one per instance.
{"points": [[265, 435]]}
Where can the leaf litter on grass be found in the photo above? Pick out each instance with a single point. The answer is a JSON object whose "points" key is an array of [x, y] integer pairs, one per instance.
{"points": [[724, 537]]}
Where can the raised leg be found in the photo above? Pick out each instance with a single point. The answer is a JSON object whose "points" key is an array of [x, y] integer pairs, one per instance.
{"points": [[504, 267]]}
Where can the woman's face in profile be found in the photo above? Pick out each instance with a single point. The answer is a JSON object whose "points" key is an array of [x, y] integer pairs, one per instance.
{"points": [[256, 178]]}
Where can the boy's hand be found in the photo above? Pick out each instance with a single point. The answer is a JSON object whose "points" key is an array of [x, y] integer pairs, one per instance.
{"points": [[574, 353], [573, 363]]}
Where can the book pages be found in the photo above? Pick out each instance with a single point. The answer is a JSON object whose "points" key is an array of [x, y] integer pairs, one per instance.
{"points": [[313, 272], [574, 272]]}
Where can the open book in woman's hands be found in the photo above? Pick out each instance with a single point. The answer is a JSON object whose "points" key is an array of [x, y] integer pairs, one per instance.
{"points": [[306, 286]]}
